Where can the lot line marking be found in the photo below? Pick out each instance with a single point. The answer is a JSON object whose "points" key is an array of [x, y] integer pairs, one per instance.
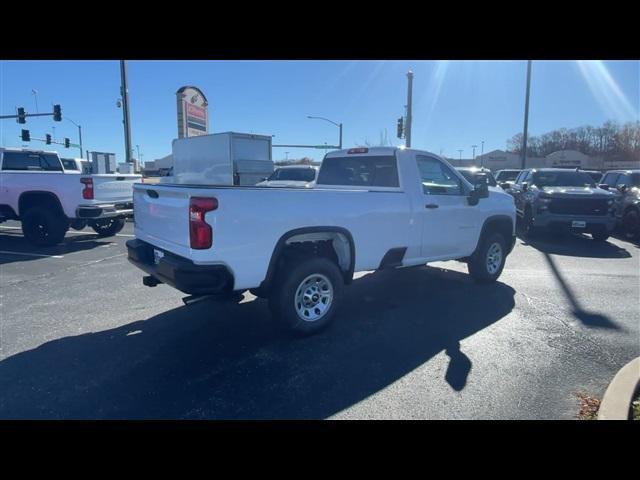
{"points": [[31, 254]]}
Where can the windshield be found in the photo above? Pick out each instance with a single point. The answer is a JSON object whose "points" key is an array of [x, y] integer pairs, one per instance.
{"points": [[562, 179], [471, 177], [294, 174], [507, 175]]}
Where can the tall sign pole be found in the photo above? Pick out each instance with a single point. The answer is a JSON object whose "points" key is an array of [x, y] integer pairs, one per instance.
{"points": [[125, 110], [409, 116], [526, 116]]}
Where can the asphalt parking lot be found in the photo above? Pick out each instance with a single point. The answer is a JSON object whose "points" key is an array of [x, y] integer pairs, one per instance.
{"points": [[82, 338]]}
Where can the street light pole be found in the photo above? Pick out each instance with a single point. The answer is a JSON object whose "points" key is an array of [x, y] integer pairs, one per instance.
{"points": [[409, 114], [473, 155], [526, 116], [125, 110], [79, 135], [482, 154], [35, 95], [460, 154], [339, 125]]}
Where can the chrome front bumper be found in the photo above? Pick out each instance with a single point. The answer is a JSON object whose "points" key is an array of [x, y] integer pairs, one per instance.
{"points": [[105, 210]]}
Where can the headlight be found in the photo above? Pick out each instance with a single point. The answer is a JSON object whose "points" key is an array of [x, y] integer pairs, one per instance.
{"points": [[610, 202], [544, 200]]}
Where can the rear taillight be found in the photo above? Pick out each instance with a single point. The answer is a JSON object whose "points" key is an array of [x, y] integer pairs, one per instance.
{"points": [[87, 191], [358, 150], [200, 232]]}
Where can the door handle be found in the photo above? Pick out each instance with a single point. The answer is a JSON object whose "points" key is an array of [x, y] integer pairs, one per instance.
{"points": [[431, 205]]}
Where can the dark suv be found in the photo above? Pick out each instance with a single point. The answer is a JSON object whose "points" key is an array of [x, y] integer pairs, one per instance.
{"points": [[625, 184], [562, 200]]}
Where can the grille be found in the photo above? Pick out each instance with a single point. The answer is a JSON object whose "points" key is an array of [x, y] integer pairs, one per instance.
{"points": [[578, 206]]}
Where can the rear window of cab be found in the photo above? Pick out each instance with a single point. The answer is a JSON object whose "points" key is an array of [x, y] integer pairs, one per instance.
{"points": [[365, 171]]}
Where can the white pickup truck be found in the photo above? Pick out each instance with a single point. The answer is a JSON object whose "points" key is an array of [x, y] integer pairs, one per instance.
{"points": [[371, 208], [47, 199]]}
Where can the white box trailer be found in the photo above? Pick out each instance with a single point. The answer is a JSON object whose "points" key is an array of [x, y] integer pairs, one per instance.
{"points": [[228, 158]]}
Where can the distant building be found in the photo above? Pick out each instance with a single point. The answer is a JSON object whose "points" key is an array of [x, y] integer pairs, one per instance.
{"points": [[499, 159], [159, 166]]}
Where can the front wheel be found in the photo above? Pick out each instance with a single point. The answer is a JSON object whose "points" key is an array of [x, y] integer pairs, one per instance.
{"points": [[305, 296], [486, 264], [109, 227]]}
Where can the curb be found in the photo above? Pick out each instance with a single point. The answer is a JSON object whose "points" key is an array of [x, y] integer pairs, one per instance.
{"points": [[617, 399]]}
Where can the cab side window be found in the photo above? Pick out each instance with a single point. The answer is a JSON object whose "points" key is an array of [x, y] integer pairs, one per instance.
{"points": [[437, 178], [610, 179]]}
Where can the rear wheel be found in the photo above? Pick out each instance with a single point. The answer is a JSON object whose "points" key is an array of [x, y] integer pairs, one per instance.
{"points": [[108, 227], [305, 295], [44, 227], [486, 264]]}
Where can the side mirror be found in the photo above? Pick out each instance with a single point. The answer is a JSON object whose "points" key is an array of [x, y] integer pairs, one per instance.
{"points": [[525, 186], [481, 190], [504, 185], [622, 188], [604, 186]]}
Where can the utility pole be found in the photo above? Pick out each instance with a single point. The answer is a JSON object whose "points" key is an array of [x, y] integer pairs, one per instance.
{"points": [[409, 116], [460, 154], [125, 109], [526, 116], [138, 149], [482, 154], [473, 156]]}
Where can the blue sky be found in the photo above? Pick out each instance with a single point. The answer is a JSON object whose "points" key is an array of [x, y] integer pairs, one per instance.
{"points": [[456, 103]]}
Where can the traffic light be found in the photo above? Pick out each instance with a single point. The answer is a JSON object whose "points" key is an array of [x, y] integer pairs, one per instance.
{"points": [[66, 143], [26, 136], [48, 139], [57, 113], [21, 115], [400, 127]]}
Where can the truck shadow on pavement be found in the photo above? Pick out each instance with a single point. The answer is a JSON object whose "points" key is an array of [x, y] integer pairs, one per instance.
{"points": [[22, 251], [575, 246], [231, 361]]}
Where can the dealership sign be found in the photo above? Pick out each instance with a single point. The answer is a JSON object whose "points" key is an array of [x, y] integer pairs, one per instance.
{"points": [[193, 114]]}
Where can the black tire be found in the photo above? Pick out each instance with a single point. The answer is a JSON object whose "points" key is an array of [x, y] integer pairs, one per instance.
{"points": [[283, 294], [600, 237], [108, 227], [631, 224], [479, 265], [527, 229], [43, 226], [78, 224]]}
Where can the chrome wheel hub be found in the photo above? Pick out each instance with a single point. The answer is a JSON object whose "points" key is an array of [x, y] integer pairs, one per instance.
{"points": [[494, 258], [313, 297]]}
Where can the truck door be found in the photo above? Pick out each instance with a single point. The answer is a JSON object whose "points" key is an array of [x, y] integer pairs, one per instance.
{"points": [[450, 226]]}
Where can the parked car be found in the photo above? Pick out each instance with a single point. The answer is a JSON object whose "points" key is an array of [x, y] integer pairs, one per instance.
{"points": [[506, 177], [291, 176], [371, 208], [76, 165], [562, 200], [625, 184], [36, 190], [472, 174], [596, 175]]}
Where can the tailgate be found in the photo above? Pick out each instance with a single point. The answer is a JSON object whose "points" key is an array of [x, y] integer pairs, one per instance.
{"points": [[162, 216], [114, 187]]}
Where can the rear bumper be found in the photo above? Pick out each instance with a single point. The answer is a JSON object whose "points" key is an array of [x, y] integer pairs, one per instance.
{"points": [[105, 210], [179, 272]]}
